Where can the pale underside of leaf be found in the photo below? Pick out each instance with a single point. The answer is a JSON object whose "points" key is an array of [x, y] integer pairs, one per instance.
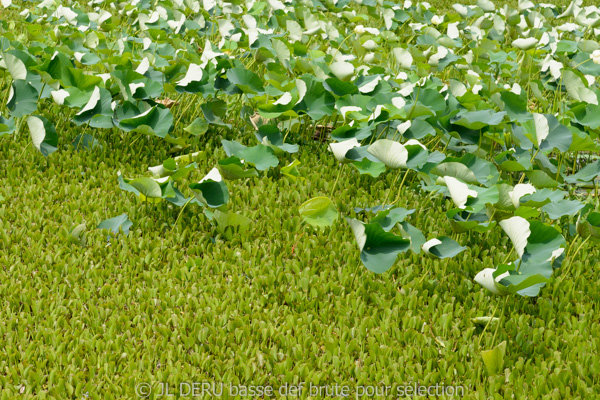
{"points": [[517, 229]]}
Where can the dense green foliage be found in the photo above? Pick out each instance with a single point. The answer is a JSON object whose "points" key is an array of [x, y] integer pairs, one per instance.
{"points": [[279, 305], [234, 257]]}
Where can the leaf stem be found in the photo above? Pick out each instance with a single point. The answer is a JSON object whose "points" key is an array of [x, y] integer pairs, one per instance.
{"points": [[181, 212], [338, 48], [23, 152], [570, 262], [499, 322], [486, 325], [400, 188], [389, 191], [336, 180]]}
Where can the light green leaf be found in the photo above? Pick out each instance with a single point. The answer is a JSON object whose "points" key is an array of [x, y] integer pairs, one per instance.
{"points": [[232, 168], [516, 106], [369, 167], [391, 153], [416, 237], [262, 157], [577, 89], [518, 230], [541, 197], [230, 223], [494, 359], [15, 66], [389, 218], [319, 211], [585, 174], [562, 208], [456, 170], [291, 171], [198, 127], [147, 187], [541, 179], [478, 119], [342, 70], [547, 133]]}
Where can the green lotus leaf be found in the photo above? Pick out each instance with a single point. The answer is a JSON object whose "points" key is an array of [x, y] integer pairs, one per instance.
{"points": [[456, 170], [463, 221], [547, 133], [342, 70], [393, 154], [270, 136], [544, 243], [85, 141], [319, 212], [262, 157], [587, 115], [515, 106], [366, 166], [246, 80], [542, 197], [339, 88], [346, 132], [77, 78], [577, 88], [541, 179], [232, 168], [156, 120], [582, 141], [389, 218], [56, 67], [116, 224], [291, 171], [378, 249], [43, 134], [562, 208], [317, 101], [15, 66], [211, 193], [147, 187], [7, 126], [214, 112], [198, 127], [134, 85], [494, 359], [443, 247], [230, 223], [479, 119], [585, 174], [98, 111], [419, 129], [412, 233], [22, 99], [589, 227]]}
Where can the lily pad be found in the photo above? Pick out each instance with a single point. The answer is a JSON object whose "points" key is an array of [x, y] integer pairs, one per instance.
{"points": [[319, 212]]}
